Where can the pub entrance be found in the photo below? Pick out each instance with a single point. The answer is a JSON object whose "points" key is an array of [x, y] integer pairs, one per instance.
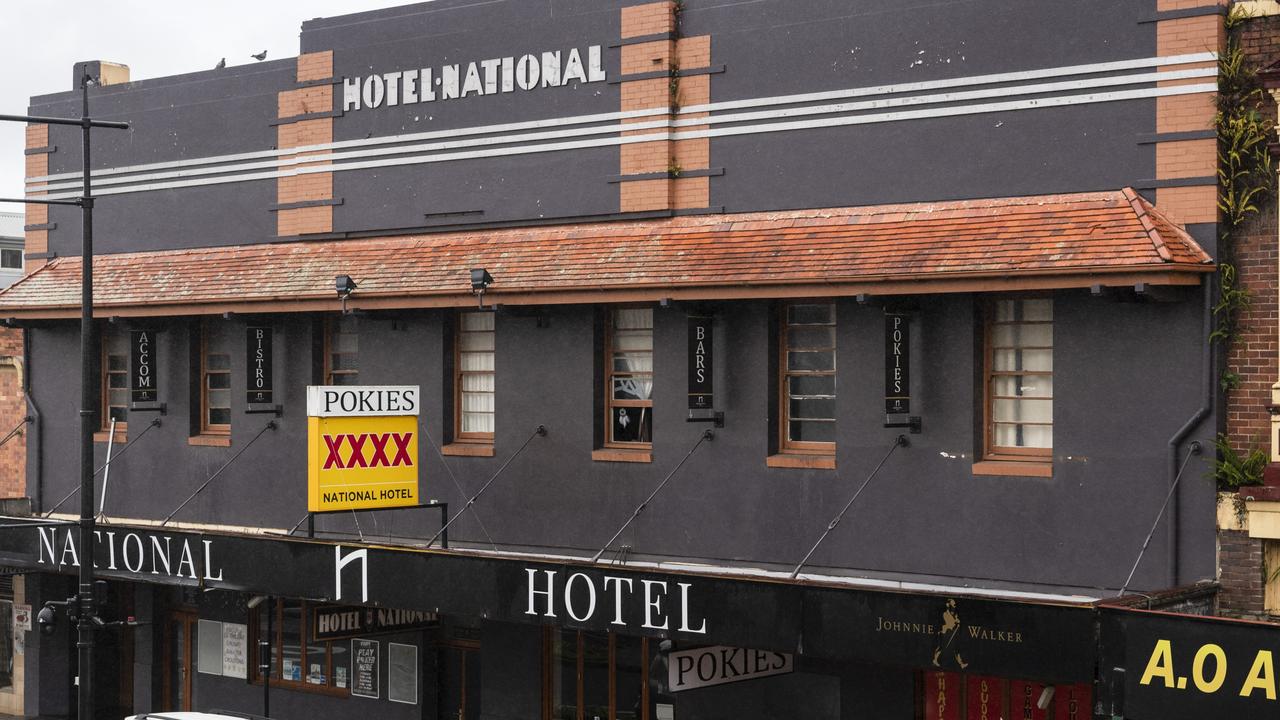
{"points": [[180, 643]]}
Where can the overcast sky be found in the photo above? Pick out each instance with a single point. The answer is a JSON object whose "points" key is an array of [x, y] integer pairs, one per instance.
{"points": [[40, 41]]}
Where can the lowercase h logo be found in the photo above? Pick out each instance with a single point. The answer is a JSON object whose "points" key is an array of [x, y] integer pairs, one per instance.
{"points": [[340, 562]]}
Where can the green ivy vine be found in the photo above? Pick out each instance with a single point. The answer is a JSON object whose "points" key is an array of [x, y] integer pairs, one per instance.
{"points": [[1246, 178]]}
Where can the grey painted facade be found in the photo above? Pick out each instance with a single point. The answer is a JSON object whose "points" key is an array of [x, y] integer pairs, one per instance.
{"points": [[1129, 371], [767, 49]]}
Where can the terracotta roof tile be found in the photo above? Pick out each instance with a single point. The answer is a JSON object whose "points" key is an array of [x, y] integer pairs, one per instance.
{"points": [[1078, 234]]}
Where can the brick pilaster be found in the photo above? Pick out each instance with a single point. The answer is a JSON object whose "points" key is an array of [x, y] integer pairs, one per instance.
{"points": [[1182, 159], [294, 105], [673, 57], [13, 408], [37, 165], [1240, 572]]}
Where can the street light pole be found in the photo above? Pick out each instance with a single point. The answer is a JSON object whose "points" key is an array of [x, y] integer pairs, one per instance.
{"points": [[89, 391], [87, 618]]}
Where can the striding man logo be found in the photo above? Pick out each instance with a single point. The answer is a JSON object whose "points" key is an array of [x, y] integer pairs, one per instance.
{"points": [[949, 638]]}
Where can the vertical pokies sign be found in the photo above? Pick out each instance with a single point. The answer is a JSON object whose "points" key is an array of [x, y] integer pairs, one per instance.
{"points": [[362, 447]]}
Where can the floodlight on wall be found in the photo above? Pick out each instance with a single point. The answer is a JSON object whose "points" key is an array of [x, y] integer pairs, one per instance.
{"points": [[345, 286], [480, 281]]}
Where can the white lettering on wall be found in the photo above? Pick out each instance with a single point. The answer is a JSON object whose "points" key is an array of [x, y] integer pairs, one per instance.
{"points": [[547, 69], [586, 598]]}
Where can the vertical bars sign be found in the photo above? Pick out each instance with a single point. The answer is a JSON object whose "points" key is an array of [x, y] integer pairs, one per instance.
{"points": [[700, 394]]}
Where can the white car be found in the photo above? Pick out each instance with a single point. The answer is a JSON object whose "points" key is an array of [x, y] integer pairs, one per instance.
{"points": [[190, 715]]}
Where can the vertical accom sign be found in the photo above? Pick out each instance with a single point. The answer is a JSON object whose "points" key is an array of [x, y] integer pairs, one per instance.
{"points": [[143, 385], [362, 447]]}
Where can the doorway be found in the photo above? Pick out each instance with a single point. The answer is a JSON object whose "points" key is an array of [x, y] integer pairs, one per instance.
{"points": [[179, 655], [459, 678]]}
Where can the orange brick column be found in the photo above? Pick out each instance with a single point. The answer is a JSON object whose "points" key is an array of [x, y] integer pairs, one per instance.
{"points": [[1186, 147], [653, 172], [13, 407], [37, 216], [305, 201]]}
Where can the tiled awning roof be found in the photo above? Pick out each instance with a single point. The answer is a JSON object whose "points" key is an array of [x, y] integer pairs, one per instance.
{"points": [[1053, 241]]}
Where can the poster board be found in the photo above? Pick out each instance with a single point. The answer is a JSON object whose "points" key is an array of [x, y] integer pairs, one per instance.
{"points": [[402, 676], [209, 647], [235, 650], [364, 668]]}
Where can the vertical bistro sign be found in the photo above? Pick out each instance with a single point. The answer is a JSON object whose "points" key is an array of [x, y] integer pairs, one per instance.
{"points": [[362, 447], [700, 397], [897, 365], [258, 360], [144, 386]]}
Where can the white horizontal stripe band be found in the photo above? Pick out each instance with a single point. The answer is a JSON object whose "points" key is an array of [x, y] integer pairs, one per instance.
{"points": [[960, 82], [609, 117], [732, 118], [950, 111]]}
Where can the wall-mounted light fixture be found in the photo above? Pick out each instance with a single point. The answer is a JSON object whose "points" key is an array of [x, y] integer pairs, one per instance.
{"points": [[345, 286], [480, 281]]}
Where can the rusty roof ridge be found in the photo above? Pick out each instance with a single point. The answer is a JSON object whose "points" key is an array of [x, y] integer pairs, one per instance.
{"points": [[1180, 231], [1140, 209]]}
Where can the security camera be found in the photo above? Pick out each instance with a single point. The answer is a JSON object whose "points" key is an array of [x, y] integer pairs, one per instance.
{"points": [[47, 619]]}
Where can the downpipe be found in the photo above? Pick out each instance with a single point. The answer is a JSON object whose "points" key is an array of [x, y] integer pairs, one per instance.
{"points": [[36, 425], [1207, 380]]}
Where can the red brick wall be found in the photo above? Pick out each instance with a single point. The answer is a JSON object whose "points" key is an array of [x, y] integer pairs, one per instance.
{"points": [[1240, 562], [13, 454], [1254, 253], [1253, 356]]}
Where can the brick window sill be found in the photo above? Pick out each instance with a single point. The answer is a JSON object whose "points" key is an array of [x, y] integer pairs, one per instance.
{"points": [[1013, 468], [102, 435], [210, 440], [622, 455], [804, 462], [468, 449]]}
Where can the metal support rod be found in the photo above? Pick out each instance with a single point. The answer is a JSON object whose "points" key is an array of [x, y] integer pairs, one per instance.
{"points": [[1192, 450], [359, 530], [81, 122], [706, 435], [540, 431], [106, 471], [76, 489], [449, 471], [35, 201], [16, 431], [900, 441], [310, 519], [271, 425]]}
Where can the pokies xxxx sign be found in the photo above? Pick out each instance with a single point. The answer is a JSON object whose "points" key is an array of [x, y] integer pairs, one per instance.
{"points": [[362, 447]]}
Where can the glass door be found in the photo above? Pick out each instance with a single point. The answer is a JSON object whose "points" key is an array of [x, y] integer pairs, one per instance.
{"points": [[179, 665]]}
